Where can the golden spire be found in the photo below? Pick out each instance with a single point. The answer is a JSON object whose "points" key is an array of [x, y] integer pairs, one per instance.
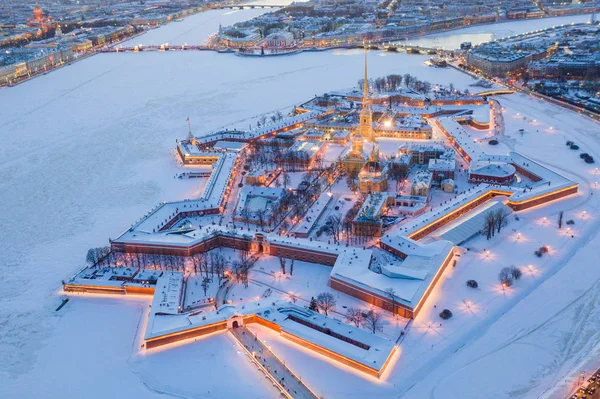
{"points": [[365, 82]]}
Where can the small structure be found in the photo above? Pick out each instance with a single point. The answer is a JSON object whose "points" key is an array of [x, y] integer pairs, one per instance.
{"points": [[257, 205], [421, 183], [411, 204], [301, 154], [491, 172], [447, 185], [442, 169], [256, 177]]}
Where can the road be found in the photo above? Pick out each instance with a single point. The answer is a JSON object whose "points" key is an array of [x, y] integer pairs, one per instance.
{"points": [[287, 382]]}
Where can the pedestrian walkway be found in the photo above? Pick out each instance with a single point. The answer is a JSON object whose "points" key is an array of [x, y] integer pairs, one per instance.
{"points": [[287, 382]]}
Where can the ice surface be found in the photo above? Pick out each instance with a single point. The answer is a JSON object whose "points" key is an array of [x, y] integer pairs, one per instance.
{"points": [[87, 149]]}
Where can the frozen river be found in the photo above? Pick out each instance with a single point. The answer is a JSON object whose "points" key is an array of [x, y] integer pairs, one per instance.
{"points": [[87, 149], [197, 28]]}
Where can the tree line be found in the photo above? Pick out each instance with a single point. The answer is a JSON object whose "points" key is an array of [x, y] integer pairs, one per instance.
{"points": [[394, 82]]}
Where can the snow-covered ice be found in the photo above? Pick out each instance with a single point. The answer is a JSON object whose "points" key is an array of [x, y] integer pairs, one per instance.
{"points": [[88, 149]]}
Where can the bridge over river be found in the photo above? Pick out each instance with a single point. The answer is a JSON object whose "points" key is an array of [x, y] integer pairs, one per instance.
{"points": [[249, 6], [204, 47]]}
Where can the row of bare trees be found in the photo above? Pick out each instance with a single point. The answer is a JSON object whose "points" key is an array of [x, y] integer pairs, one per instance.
{"points": [[283, 263], [263, 154], [348, 222], [242, 267], [494, 221], [333, 227], [98, 256], [105, 257], [372, 320], [210, 264], [393, 82], [276, 117]]}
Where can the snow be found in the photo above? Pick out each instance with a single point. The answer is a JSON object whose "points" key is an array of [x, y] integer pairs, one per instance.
{"points": [[59, 199], [168, 292], [467, 226], [313, 214]]}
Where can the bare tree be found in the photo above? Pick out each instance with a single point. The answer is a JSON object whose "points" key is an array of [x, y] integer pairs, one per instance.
{"points": [[515, 273], [354, 316], [205, 284], [505, 277], [326, 302], [103, 254], [560, 219], [334, 223], [292, 266], [245, 213], [260, 215], [204, 265], [286, 180], [500, 218], [391, 293], [282, 264], [489, 224], [244, 254], [374, 321], [92, 257], [347, 228], [219, 264]]}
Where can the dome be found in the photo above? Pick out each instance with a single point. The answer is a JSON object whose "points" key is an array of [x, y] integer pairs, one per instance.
{"points": [[38, 13], [372, 167]]}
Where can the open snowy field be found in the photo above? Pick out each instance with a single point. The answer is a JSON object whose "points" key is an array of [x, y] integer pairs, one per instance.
{"points": [[88, 149]]}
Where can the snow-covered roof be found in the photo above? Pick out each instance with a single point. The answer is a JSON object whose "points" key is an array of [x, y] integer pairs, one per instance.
{"points": [[229, 146], [465, 227], [313, 214], [442, 165], [409, 292], [292, 319], [167, 293], [493, 169]]}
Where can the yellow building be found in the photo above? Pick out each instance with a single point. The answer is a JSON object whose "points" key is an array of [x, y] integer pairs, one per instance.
{"points": [[355, 159], [373, 177]]}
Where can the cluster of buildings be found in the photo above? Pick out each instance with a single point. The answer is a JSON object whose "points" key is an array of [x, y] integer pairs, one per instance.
{"points": [[400, 285], [327, 23], [559, 62], [44, 43], [14, 13], [567, 52], [35, 38]]}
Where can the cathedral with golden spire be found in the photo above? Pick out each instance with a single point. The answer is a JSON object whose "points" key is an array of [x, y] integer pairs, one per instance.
{"points": [[355, 158]]}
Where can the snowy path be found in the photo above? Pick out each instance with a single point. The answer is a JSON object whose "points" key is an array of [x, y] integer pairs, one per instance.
{"points": [[289, 384]]}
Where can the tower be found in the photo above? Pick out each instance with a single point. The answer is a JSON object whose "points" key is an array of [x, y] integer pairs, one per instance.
{"points": [[365, 128], [357, 144], [190, 136]]}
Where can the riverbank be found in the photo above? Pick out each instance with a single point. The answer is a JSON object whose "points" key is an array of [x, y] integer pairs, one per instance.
{"points": [[582, 111], [200, 25]]}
